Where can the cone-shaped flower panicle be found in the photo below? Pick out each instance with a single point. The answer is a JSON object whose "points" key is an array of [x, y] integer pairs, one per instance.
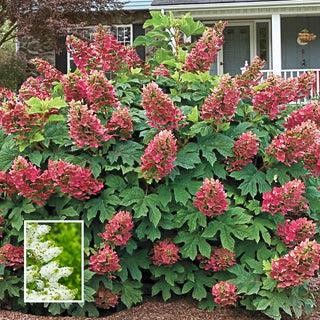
{"points": [[118, 228], [204, 53], [287, 200], [158, 158], [105, 261], [105, 299], [225, 293], [160, 110], [220, 259], [295, 231], [12, 256], [85, 128], [165, 253], [244, 149], [298, 266], [221, 104], [211, 199], [250, 78]]}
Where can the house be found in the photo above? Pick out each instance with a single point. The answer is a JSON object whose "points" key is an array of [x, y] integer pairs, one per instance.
{"points": [[267, 28], [126, 24]]}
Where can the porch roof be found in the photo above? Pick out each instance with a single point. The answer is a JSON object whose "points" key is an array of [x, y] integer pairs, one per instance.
{"points": [[229, 9], [137, 5]]}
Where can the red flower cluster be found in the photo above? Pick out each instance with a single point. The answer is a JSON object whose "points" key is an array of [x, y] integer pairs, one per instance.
{"points": [[50, 73], [309, 112], [165, 253], [29, 181], [73, 179], [220, 259], [34, 87], [287, 199], [298, 143], [100, 93], [204, 53], [295, 231], [120, 124], [1, 221], [160, 110], [118, 228], [161, 71], [211, 199], [244, 149], [157, 161], [225, 293], [250, 78], [105, 261], [105, 299], [93, 89], [12, 256], [276, 92], [221, 104], [74, 87], [298, 266], [105, 53], [85, 128]]}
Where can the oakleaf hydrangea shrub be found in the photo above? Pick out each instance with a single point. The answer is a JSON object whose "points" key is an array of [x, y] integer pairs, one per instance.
{"points": [[189, 184], [42, 268]]}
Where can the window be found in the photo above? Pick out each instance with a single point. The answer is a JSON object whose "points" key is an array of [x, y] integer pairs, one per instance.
{"points": [[123, 34]]}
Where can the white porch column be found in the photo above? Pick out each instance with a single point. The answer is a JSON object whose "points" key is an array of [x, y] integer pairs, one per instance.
{"points": [[276, 43]]}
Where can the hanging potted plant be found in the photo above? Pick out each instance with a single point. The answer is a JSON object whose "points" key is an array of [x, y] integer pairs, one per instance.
{"points": [[305, 36]]}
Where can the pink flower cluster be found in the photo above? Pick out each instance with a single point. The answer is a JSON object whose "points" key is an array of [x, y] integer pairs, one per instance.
{"points": [[225, 293], [93, 89], [309, 112], [1, 227], [120, 124], [160, 110], [250, 78], [105, 261], [165, 253], [276, 92], [211, 199], [244, 149], [221, 104], [31, 183], [161, 70], [204, 53], [287, 200], [105, 299], [295, 231], [14, 118], [85, 128], [118, 228], [73, 179], [220, 259], [298, 266], [299, 143], [34, 87], [51, 74], [158, 158], [12, 256], [104, 53]]}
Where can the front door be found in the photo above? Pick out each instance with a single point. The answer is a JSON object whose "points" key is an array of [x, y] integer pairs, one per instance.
{"points": [[236, 49]]}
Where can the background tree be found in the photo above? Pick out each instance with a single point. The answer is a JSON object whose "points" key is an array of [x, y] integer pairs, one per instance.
{"points": [[47, 20]]}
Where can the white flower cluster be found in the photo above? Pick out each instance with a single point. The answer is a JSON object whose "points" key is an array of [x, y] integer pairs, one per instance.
{"points": [[43, 275]]}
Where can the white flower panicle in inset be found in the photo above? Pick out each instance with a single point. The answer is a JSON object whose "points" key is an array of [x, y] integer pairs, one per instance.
{"points": [[42, 277]]}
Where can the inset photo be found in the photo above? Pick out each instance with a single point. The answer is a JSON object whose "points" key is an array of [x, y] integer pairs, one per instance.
{"points": [[53, 255]]}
